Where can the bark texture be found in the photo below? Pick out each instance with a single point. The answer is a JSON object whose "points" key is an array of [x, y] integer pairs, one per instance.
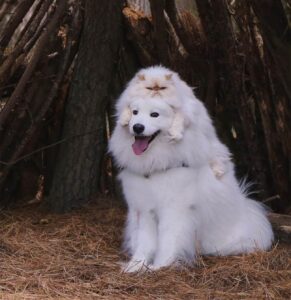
{"points": [[235, 53], [78, 169]]}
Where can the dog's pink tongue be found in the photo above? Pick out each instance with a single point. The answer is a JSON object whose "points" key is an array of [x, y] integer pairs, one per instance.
{"points": [[140, 145]]}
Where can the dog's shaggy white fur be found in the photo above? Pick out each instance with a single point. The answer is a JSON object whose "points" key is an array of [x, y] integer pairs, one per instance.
{"points": [[177, 205]]}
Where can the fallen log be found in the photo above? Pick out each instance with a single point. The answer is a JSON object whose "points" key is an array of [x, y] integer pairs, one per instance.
{"points": [[282, 227]]}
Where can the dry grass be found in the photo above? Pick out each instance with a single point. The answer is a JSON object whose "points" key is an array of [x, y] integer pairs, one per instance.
{"points": [[75, 256]]}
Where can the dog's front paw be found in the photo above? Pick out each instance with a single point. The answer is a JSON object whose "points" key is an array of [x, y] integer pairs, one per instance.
{"points": [[134, 266], [163, 262], [153, 267]]}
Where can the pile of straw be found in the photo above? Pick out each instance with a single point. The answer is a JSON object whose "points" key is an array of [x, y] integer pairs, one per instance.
{"points": [[76, 256]]}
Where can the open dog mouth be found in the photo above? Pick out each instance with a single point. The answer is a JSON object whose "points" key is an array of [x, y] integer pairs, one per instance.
{"points": [[141, 142]]}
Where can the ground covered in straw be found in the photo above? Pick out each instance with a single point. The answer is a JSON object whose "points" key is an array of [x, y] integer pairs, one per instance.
{"points": [[76, 256]]}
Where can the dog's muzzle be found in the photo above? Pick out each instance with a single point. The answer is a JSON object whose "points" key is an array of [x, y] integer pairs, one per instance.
{"points": [[142, 142]]}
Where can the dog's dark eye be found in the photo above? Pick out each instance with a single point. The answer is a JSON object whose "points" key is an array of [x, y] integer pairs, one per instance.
{"points": [[154, 114], [149, 88], [162, 87], [134, 112]]}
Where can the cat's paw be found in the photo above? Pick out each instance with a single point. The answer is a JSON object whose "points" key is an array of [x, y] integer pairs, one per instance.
{"points": [[218, 169], [125, 117], [175, 135]]}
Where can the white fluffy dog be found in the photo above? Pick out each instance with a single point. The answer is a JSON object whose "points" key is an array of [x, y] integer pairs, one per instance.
{"points": [[177, 205]]}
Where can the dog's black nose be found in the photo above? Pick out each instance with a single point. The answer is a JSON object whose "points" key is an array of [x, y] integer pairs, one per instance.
{"points": [[138, 128]]}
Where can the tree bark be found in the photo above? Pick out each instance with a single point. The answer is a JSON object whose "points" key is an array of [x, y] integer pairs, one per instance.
{"points": [[78, 166], [276, 34], [160, 32], [228, 56]]}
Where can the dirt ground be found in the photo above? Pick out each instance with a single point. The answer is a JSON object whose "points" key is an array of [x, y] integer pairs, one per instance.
{"points": [[77, 255]]}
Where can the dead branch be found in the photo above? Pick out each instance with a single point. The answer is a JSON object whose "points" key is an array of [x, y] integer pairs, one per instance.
{"points": [[65, 60], [160, 33], [16, 96], [140, 33], [15, 20], [173, 14], [26, 42], [34, 13]]}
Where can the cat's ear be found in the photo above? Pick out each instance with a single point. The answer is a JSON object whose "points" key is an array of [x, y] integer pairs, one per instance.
{"points": [[169, 76], [141, 77]]}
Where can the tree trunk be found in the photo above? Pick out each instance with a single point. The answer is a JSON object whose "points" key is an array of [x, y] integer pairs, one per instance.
{"points": [[78, 166], [276, 35]]}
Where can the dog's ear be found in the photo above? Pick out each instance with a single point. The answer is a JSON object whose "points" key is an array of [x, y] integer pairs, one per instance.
{"points": [[141, 77], [169, 76], [125, 116], [176, 131]]}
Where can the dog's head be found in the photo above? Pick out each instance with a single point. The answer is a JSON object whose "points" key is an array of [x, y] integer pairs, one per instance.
{"points": [[150, 120], [150, 140]]}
